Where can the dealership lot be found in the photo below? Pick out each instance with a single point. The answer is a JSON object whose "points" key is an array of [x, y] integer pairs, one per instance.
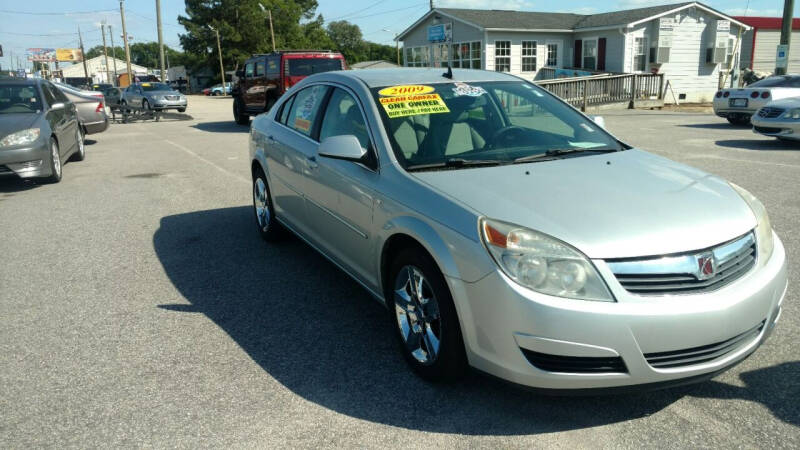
{"points": [[140, 307]]}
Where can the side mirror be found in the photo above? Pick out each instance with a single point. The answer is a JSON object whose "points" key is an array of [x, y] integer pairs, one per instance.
{"points": [[344, 147], [57, 106], [599, 121]]}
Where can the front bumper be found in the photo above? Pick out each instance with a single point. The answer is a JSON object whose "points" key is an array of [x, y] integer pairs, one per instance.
{"points": [[169, 104], [504, 324], [785, 129], [26, 162]]}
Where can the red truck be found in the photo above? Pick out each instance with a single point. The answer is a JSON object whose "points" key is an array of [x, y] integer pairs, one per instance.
{"points": [[266, 77]]}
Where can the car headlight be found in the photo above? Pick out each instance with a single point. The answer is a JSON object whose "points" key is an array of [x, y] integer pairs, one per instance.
{"points": [[764, 240], [20, 137], [542, 263], [793, 114]]}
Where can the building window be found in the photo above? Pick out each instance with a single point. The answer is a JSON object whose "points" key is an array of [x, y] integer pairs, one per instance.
{"points": [[418, 56], [502, 56], [466, 55], [441, 55], [529, 56], [552, 55], [640, 54], [590, 54]]}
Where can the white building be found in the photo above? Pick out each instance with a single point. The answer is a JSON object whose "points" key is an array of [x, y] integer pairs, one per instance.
{"points": [[688, 42], [97, 69]]}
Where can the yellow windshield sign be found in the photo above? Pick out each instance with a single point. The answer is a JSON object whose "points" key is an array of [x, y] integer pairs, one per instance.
{"points": [[146, 84], [413, 105], [412, 89]]}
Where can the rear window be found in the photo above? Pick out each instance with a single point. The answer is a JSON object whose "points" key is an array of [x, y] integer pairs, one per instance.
{"points": [[310, 66], [19, 99]]}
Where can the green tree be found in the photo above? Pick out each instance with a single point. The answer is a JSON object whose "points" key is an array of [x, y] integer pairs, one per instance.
{"points": [[347, 38], [244, 27]]}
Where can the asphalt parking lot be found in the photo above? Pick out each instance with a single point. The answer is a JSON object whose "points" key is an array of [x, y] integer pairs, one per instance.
{"points": [[139, 307]]}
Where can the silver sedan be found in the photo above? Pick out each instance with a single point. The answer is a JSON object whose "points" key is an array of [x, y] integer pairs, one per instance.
{"points": [[506, 231], [780, 119]]}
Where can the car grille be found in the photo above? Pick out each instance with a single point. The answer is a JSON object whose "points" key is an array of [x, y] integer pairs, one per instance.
{"points": [[770, 113], [767, 130], [704, 353], [171, 97], [575, 364], [5, 169], [681, 274]]}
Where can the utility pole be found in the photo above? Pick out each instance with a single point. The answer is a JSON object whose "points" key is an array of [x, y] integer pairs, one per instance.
{"points": [[125, 40], [786, 32], [83, 57], [161, 41], [113, 54], [271, 30], [219, 50], [105, 50]]}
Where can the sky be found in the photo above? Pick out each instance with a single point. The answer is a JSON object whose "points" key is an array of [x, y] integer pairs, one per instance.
{"points": [[54, 23]]}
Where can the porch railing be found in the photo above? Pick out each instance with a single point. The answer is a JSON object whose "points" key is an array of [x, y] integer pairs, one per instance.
{"points": [[597, 90]]}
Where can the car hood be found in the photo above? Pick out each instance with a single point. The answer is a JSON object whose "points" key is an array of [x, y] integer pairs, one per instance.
{"points": [[616, 205], [786, 103], [11, 123]]}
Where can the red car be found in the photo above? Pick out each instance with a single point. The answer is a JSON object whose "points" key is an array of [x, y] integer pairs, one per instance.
{"points": [[207, 91], [266, 77]]}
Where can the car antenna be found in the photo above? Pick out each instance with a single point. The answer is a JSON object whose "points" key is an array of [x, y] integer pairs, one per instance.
{"points": [[449, 73]]}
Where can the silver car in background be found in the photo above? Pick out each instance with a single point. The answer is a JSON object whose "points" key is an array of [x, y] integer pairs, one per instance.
{"points": [[91, 108], [779, 119], [739, 104], [506, 231], [153, 95]]}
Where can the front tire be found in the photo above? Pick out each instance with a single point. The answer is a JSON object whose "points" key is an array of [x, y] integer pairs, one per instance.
{"points": [[180, 110], [55, 163], [425, 318], [241, 117], [268, 226]]}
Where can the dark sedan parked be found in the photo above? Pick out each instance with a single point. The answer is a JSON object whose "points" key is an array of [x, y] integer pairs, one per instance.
{"points": [[39, 130]]}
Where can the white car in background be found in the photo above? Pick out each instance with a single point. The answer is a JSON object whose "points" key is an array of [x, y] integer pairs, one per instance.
{"points": [[780, 119], [739, 104]]}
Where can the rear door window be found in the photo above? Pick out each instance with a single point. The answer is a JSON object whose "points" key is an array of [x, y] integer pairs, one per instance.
{"points": [[248, 70], [305, 110]]}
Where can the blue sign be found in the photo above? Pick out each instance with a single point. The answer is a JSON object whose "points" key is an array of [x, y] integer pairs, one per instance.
{"points": [[21, 73], [440, 33]]}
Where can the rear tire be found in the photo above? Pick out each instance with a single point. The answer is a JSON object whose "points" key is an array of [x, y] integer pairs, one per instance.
{"points": [[180, 110], [80, 154], [425, 318], [241, 117]]}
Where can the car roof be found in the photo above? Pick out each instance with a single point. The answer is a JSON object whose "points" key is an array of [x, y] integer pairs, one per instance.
{"points": [[408, 75], [22, 81]]}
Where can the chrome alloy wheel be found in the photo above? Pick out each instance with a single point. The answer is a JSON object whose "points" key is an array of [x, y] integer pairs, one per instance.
{"points": [[56, 159], [417, 312], [261, 203]]}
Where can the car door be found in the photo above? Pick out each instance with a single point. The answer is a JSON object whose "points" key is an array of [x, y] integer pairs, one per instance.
{"points": [[290, 150], [249, 93], [339, 194], [70, 111], [58, 119]]}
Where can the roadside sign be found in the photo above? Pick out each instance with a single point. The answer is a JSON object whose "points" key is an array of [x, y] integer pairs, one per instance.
{"points": [[782, 57], [442, 32], [41, 54], [69, 54], [21, 73]]}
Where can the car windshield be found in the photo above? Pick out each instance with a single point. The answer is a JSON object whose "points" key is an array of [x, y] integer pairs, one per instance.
{"points": [[309, 66], [779, 81], [17, 98], [155, 87], [484, 123]]}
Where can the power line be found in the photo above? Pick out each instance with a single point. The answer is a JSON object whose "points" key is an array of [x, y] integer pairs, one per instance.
{"points": [[30, 13], [358, 11], [389, 11]]}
